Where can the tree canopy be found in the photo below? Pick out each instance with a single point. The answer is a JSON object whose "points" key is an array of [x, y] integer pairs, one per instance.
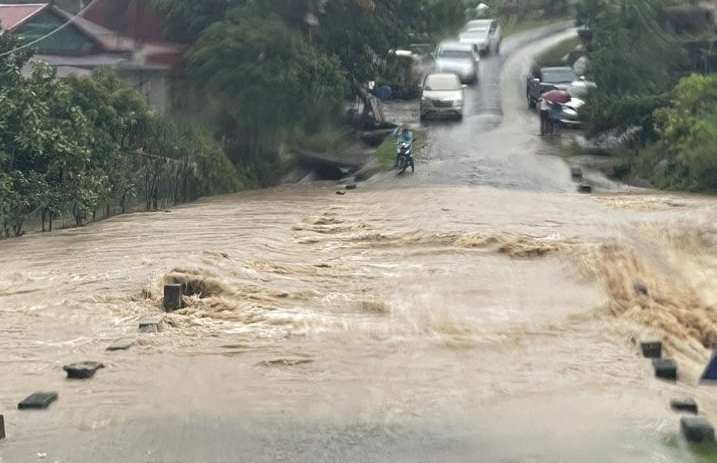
{"points": [[72, 146]]}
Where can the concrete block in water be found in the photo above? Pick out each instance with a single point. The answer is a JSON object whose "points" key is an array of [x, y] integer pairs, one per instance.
{"points": [[351, 186], [665, 368], [697, 429], [38, 400], [684, 404], [172, 298], [340, 192], [585, 188], [576, 173], [152, 324], [82, 370], [121, 344], [651, 349], [2, 427]]}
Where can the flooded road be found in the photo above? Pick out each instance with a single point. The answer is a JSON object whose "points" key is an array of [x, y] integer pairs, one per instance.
{"points": [[477, 311]]}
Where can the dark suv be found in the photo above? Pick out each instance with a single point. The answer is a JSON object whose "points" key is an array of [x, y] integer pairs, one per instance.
{"points": [[542, 80]]}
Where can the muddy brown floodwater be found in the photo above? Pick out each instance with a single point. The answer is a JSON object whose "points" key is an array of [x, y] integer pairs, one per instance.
{"points": [[396, 323]]}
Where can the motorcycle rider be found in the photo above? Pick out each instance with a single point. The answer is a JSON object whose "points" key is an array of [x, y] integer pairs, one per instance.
{"points": [[402, 135]]}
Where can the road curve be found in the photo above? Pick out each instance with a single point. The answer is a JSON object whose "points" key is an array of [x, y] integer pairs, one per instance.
{"points": [[497, 143]]}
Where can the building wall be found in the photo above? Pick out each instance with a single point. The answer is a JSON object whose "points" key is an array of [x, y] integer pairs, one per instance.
{"points": [[134, 18], [154, 85]]}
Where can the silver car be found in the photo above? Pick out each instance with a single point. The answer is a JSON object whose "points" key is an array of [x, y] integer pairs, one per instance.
{"points": [[459, 59], [442, 96], [485, 33]]}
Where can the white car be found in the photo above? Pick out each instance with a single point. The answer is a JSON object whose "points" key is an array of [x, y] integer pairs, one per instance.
{"points": [[442, 95], [485, 33], [458, 58]]}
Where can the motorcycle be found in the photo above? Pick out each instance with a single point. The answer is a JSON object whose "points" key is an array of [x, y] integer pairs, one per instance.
{"points": [[405, 157]]}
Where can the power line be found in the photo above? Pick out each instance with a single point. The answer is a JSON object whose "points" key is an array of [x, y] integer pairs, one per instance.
{"points": [[53, 32]]}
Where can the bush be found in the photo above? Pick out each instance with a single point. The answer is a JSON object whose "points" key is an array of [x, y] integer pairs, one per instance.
{"points": [[688, 133]]}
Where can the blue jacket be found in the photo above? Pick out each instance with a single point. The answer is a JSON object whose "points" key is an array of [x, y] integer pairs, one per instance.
{"points": [[405, 137]]}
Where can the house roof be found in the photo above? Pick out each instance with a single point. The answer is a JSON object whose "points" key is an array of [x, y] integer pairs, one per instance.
{"points": [[111, 48], [14, 16]]}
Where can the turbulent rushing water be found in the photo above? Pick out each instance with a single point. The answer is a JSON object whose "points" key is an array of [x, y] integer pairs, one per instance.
{"points": [[413, 324]]}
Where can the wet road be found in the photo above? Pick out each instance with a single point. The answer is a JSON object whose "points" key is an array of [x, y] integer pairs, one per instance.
{"points": [[482, 312], [497, 143]]}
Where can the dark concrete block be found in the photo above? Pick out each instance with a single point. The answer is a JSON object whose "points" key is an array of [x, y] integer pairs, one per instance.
{"points": [[38, 400], [151, 324], [2, 427], [351, 186], [651, 349], [697, 429], [585, 189], [684, 404], [121, 344], [665, 368], [340, 192], [82, 370], [576, 173], [172, 298]]}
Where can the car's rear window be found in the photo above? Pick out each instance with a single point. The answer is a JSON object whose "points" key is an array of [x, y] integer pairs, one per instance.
{"points": [[558, 76], [478, 24], [456, 54], [442, 83], [472, 35]]}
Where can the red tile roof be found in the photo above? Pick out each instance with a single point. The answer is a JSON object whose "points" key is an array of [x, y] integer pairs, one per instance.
{"points": [[14, 16]]}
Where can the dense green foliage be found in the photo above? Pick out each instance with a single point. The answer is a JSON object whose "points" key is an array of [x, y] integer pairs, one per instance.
{"points": [[525, 10], [81, 145], [267, 78], [643, 75], [632, 59], [688, 134], [264, 76]]}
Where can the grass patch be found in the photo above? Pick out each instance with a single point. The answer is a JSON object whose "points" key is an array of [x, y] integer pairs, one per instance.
{"points": [[327, 139], [553, 56], [386, 153], [513, 26]]}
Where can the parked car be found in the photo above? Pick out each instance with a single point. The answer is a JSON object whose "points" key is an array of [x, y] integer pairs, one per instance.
{"points": [[485, 33], [571, 110], [442, 95], [458, 58], [543, 79]]}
